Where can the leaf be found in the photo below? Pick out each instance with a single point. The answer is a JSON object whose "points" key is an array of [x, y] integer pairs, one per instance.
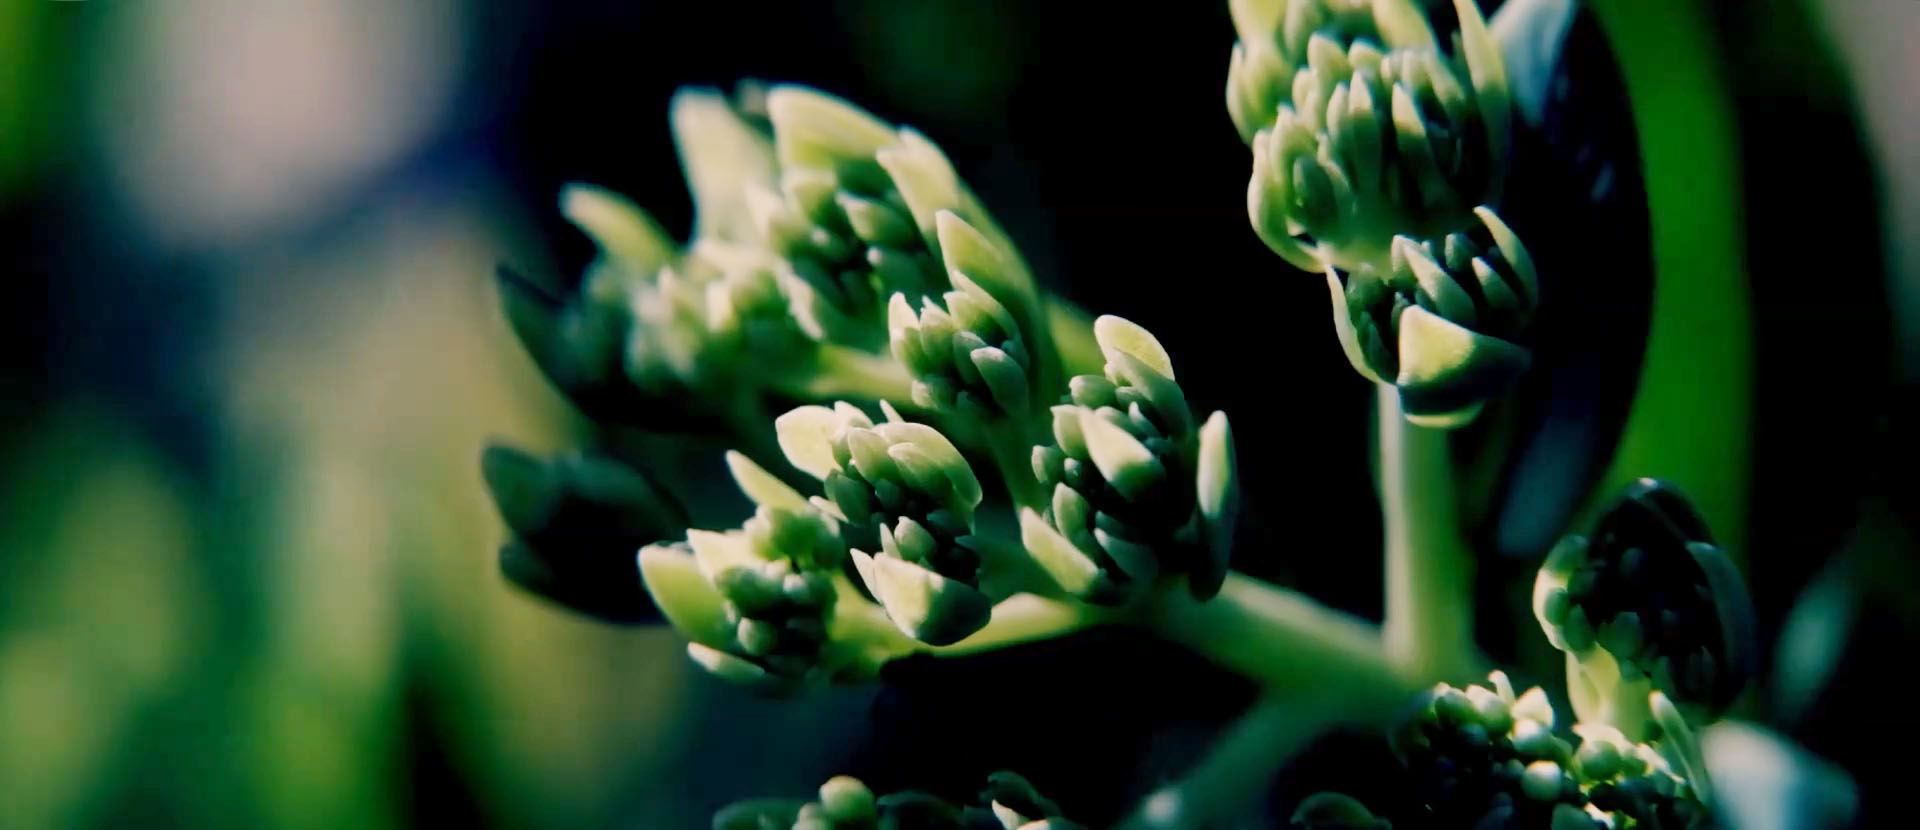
{"points": [[763, 487], [806, 434], [1126, 463], [1071, 569], [684, 595], [622, 230]]}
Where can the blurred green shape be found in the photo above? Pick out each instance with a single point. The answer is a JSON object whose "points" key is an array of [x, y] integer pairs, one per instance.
{"points": [[1690, 422]]}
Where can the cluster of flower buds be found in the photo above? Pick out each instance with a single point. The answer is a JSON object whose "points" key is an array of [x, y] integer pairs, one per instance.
{"points": [[1646, 604], [576, 520], [758, 602], [971, 358], [1138, 490], [656, 333], [1445, 323], [855, 216], [1634, 783], [1483, 757], [1007, 803], [1362, 126], [907, 497]]}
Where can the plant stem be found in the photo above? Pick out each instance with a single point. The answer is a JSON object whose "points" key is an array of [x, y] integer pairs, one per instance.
{"points": [[841, 372], [1072, 334], [1012, 455], [1248, 756], [1429, 571], [1021, 618], [1286, 642]]}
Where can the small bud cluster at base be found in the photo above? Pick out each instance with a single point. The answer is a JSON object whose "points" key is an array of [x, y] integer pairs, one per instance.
{"points": [[844, 803], [1482, 757]]}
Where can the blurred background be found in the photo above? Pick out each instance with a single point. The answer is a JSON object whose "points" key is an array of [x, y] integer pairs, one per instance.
{"points": [[247, 563]]}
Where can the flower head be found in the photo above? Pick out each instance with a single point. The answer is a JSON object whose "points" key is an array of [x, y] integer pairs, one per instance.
{"points": [[907, 497], [1137, 489], [1362, 126], [1446, 323], [1647, 603]]}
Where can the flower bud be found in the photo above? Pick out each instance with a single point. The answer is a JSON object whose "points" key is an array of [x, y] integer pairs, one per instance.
{"points": [[1136, 491], [1647, 602], [908, 498], [1446, 324], [576, 520], [1362, 127]]}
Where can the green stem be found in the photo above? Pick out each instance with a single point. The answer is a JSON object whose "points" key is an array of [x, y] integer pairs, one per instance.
{"points": [[1429, 571], [1072, 333], [1285, 641], [1249, 755], [1021, 618], [841, 372], [1013, 456]]}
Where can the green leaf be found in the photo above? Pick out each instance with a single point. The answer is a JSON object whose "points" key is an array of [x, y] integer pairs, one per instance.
{"points": [[1403, 25], [1487, 71], [1126, 463], [966, 487], [1071, 569], [622, 230], [812, 129], [726, 666], [925, 178], [763, 487], [806, 435], [522, 487], [684, 594], [1118, 335], [718, 552], [1218, 491], [723, 157], [1447, 368], [925, 605]]}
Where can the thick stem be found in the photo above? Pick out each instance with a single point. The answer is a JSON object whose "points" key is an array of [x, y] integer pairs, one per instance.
{"points": [[841, 372], [1429, 571], [1287, 642], [1021, 618]]}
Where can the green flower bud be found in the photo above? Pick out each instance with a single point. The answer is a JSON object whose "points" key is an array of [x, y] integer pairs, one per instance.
{"points": [[908, 498], [1647, 602], [758, 601], [1634, 782], [1446, 324], [1362, 127], [968, 359], [1137, 489], [853, 216], [576, 520], [1334, 811]]}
